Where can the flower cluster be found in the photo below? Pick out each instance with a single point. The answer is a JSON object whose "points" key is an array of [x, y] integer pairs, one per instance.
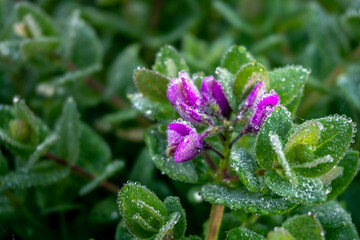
{"points": [[204, 107]]}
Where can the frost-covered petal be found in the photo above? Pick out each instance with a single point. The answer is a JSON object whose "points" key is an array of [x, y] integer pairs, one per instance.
{"points": [[183, 90], [212, 91], [189, 113], [190, 92], [176, 131], [254, 95], [181, 127], [190, 147], [262, 110], [175, 92]]}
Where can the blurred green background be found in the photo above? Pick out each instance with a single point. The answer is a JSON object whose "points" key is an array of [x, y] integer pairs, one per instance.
{"points": [[53, 49]]}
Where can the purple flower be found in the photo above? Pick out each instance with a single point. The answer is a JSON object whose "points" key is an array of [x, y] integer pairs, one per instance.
{"points": [[264, 107], [184, 143], [186, 98], [213, 93], [251, 100], [254, 95]]}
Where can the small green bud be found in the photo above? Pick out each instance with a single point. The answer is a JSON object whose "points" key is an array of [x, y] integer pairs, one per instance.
{"points": [[21, 30], [19, 130]]}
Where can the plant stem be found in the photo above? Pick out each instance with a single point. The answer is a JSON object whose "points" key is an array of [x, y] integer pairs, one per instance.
{"points": [[218, 210], [210, 162], [225, 161], [216, 214], [82, 172], [237, 138]]}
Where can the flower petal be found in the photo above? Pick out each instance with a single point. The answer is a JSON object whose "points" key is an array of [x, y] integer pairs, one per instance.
{"points": [[189, 113], [212, 92], [190, 147]]}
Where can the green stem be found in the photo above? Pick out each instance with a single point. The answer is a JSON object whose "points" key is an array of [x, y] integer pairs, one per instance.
{"points": [[218, 210], [225, 161], [216, 214]]}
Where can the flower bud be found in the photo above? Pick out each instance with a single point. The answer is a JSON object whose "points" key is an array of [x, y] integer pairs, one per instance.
{"points": [[184, 143], [263, 108], [213, 93], [186, 98], [254, 95], [19, 130]]}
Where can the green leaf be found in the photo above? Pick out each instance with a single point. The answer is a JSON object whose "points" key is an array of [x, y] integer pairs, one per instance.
{"points": [[349, 163], [11, 51], [116, 118], [74, 76], [350, 21], [156, 143], [142, 210], [122, 233], [20, 129], [335, 138], [166, 231], [110, 170], [68, 130], [41, 175], [232, 17], [294, 104], [280, 234], [227, 83], [288, 82], [245, 167], [119, 76], [143, 170], [349, 83], [330, 214], [152, 110], [41, 149], [247, 77], [6, 115], [173, 205], [308, 190], [104, 211], [80, 45], [169, 62], [306, 135], [38, 22], [39, 46], [279, 122], [304, 227], [235, 58], [345, 232], [243, 233], [277, 146], [152, 85], [243, 199], [18, 147], [94, 153], [334, 173]]}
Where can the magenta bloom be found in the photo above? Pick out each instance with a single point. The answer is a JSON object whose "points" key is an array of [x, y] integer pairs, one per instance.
{"points": [[254, 95], [186, 98], [264, 107], [213, 93], [184, 143]]}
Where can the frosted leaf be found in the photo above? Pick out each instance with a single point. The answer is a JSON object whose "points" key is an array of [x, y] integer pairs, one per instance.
{"points": [[308, 190], [245, 200]]}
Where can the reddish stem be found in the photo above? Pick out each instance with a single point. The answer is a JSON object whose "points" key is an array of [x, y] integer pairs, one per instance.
{"points": [[82, 172]]}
